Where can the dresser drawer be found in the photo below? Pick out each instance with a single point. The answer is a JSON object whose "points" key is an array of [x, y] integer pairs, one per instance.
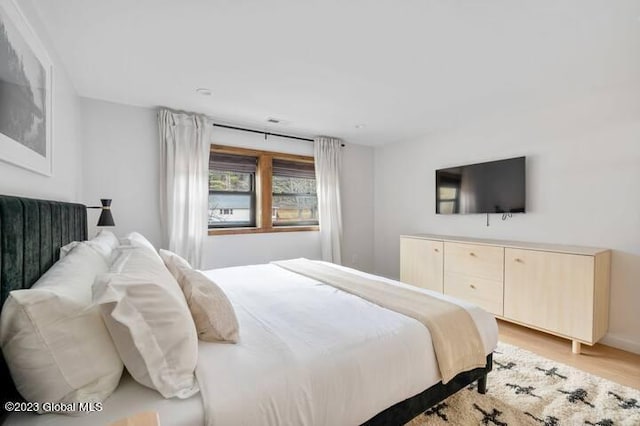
{"points": [[488, 294], [486, 262]]}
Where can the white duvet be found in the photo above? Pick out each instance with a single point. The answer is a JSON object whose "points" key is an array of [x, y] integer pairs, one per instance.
{"points": [[310, 354]]}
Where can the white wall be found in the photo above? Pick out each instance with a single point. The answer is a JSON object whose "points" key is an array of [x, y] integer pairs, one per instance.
{"points": [[66, 182], [121, 162], [357, 210], [583, 172]]}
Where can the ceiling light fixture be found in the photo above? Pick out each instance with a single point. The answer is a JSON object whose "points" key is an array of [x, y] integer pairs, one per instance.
{"points": [[360, 126], [203, 91]]}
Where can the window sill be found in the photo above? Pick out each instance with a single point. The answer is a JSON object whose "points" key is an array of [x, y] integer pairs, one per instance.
{"points": [[237, 231]]}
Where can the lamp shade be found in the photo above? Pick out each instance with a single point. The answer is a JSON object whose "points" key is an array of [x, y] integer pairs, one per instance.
{"points": [[106, 218]]}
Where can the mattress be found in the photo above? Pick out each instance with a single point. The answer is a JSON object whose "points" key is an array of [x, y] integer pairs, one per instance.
{"points": [[308, 354]]}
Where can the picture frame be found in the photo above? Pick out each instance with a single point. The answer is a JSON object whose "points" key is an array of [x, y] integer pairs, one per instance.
{"points": [[26, 94]]}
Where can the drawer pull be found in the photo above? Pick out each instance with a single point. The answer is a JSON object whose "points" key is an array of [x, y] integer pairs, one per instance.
{"points": [[472, 286], [472, 254], [436, 250], [519, 260]]}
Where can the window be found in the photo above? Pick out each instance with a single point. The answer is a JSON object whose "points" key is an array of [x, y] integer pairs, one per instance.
{"points": [[260, 191], [294, 193], [232, 190]]}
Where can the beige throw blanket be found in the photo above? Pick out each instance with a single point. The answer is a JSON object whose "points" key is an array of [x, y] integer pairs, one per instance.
{"points": [[456, 341]]}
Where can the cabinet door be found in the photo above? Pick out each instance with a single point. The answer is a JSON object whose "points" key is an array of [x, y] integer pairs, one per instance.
{"points": [[421, 263], [552, 291]]}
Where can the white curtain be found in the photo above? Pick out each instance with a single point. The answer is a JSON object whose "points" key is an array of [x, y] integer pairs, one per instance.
{"points": [[184, 186], [328, 158]]}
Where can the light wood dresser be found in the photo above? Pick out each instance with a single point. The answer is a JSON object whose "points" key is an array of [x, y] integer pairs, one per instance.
{"points": [[562, 290]]}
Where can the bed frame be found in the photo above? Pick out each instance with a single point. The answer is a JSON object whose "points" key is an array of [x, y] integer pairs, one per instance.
{"points": [[404, 411], [31, 234]]}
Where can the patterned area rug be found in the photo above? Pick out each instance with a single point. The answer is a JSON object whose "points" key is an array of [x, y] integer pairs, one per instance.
{"points": [[526, 389]]}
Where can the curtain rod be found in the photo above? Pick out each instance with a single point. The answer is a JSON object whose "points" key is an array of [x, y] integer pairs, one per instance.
{"points": [[242, 129]]}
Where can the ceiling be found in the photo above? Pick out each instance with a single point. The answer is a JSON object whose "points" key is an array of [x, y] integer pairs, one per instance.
{"points": [[403, 68]]}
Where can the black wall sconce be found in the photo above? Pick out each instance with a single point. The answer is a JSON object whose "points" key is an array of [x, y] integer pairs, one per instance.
{"points": [[106, 218]]}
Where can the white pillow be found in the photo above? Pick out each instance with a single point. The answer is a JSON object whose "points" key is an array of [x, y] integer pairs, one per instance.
{"points": [[210, 308], [173, 262], [54, 340], [105, 243], [66, 249], [148, 318], [136, 239]]}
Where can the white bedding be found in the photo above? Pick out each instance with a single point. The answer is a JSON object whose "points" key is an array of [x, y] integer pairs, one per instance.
{"points": [[313, 355], [309, 354], [130, 398]]}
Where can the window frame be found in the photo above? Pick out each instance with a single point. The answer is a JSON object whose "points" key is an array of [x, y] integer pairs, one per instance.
{"points": [[263, 191]]}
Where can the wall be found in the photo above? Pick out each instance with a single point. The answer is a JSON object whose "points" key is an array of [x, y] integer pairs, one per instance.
{"points": [[583, 169], [121, 162], [66, 182], [357, 207]]}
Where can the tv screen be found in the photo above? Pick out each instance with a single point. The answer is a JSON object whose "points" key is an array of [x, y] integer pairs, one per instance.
{"points": [[493, 187]]}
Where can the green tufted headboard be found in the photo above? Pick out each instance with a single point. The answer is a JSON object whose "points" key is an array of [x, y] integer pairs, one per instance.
{"points": [[31, 234]]}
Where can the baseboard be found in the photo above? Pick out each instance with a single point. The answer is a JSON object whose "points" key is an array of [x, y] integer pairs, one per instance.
{"points": [[621, 343]]}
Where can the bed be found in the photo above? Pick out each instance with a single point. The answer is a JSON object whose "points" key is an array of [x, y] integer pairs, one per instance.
{"points": [[309, 353]]}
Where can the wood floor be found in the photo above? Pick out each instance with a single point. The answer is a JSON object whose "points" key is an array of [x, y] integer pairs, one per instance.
{"points": [[613, 364]]}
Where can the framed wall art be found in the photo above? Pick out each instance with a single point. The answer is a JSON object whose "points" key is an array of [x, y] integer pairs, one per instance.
{"points": [[26, 79]]}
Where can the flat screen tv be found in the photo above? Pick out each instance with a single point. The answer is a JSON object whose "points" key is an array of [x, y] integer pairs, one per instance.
{"points": [[493, 187]]}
